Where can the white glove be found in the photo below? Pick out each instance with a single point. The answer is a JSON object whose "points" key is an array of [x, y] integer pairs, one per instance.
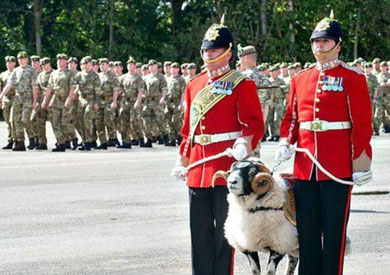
{"points": [[361, 178], [239, 151], [179, 171], [284, 152]]}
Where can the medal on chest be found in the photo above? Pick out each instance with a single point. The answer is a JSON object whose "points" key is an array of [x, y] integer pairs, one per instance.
{"points": [[333, 84], [222, 87]]}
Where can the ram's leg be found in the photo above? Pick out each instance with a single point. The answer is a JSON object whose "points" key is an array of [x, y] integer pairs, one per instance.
{"points": [[292, 264], [274, 259], [254, 262]]}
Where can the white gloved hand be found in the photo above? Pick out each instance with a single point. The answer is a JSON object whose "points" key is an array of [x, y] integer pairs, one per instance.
{"points": [[361, 178], [284, 152], [179, 171], [239, 151]]}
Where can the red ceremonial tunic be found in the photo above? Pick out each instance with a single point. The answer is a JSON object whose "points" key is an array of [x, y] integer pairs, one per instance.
{"points": [[240, 111], [311, 98]]}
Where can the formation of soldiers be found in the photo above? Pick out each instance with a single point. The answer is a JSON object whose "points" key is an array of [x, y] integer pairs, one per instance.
{"points": [[144, 105]]}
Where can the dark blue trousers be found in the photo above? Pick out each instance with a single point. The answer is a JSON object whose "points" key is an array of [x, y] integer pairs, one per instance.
{"points": [[322, 211], [211, 254]]}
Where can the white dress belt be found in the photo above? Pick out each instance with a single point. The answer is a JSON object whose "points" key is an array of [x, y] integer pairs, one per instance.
{"points": [[322, 125], [207, 139]]}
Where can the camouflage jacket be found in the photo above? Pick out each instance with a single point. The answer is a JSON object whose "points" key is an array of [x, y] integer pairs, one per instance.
{"points": [[372, 85], [109, 83], [43, 82], [61, 82], [4, 76], [88, 83], [155, 84], [131, 85], [384, 79], [261, 81], [23, 79], [176, 87], [279, 94]]}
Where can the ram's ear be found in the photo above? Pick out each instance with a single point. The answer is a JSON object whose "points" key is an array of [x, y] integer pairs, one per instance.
{"points": [[262, 183], [217, 175]]}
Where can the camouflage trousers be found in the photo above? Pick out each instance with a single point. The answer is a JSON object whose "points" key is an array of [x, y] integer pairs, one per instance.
{"points": [[75, 121], [275, 117], [131, 123], [21, 115], [86, 116], [7, 113], [151, 117], [61, 121], [375, 121], [38, 120], [105, 119], [173, 118], [382, 113]]}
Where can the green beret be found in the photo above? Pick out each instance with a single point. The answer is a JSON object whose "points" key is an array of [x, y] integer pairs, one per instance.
{"points": [[245, 50], [62, 56], [95, 62], [132, 60], [291, 66], [22, 54], [307, 65], [35, 58], [297, 64], [73, 59], [283, 65], [383, 63], [138, 64], [10, 58], [175, 65], [86, 59], [44, 61], [191, 66], [274, 68], [368, 65], [184, 66], [144, 67], [159, 64], [111, 63], [167, 63], [104, 60], [261, 67], [152, 62], [388, 63], [118, 63], [376, 60]]}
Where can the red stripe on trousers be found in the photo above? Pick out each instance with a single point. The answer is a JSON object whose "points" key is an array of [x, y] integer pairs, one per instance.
{"points": [[232, 263], [342, 249]]}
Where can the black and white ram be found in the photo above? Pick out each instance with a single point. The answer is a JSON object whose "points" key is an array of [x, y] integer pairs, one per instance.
{"points": [[256, 221]]}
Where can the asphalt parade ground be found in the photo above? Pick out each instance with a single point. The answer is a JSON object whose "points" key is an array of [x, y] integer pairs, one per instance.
{"points": [[120, 212]]}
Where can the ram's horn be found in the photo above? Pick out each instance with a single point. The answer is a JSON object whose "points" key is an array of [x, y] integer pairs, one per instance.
{"points": [[262, 183], [217, 175], [262, 168]]}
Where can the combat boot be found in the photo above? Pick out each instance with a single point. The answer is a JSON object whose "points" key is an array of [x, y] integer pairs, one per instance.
{"points": [[19, 146], [135, 142], [276, 138], [102, 146], [41, 146], [93, 144], [171, 143], [59, 148], [386, 129], [111, 143], [36, 141], [8, 146], [75, 143], [86, 147], [125, 145], [165, 140], [148, 143], [67, 145], [141, 142], [179, 140], [32, 144]]}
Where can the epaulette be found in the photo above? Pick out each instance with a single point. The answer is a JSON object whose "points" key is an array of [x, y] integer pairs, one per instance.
{"points": [[354, 69], [308, 68]]}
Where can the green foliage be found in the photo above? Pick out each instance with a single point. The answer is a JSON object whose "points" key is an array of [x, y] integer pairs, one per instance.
{"points": [[173, 29]]}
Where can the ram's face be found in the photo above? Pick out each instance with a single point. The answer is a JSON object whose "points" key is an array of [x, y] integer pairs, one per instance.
{"points": [[240, 178]]}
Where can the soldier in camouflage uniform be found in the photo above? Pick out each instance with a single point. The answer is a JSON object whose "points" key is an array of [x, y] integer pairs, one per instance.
{"points": [[383, 106], [59, 91], [191, 70], [42, 115], [119, 73], [145, 71], [95, 66], [167, 69], [138, 69], [8, 100], [173, 109], [184, 72], [156, 90], [36, 65], [105, 117], [248, 57], [88, 87], [376, 64], [373, 88], [133, 88], [277, 103], [24, 80]]}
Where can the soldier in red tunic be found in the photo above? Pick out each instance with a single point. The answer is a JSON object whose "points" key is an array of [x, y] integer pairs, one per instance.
{"points": [[222, 111], [329, 113]]}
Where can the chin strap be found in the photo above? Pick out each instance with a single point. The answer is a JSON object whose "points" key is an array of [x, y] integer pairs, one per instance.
{"points": [[209, 61], [324, 54]]}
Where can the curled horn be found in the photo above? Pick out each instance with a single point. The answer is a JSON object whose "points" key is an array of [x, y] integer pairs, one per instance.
{"points": [[217, 175], [262, 168], [262, 183]]}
